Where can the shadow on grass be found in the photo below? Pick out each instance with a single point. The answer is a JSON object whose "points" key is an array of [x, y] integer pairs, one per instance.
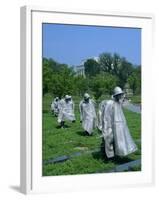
{"points": [[46, 111], [81, 133], [116, 160], [100, 155], [65, 127]]}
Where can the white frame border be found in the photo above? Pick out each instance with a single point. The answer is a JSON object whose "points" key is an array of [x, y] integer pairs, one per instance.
{"points": [[27, 171]]}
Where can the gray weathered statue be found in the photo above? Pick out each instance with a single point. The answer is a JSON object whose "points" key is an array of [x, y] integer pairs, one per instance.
{"points": [[118, 140], [87, 114], [66, 110]]}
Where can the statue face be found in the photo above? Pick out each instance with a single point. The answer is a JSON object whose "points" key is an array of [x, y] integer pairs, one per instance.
{"points": [[86, 99], [67, 100], [119, 97]]}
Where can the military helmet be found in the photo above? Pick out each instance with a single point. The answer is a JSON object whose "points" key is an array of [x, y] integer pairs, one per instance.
{"points": [[86, 96], [67, 97], [117, 91]]}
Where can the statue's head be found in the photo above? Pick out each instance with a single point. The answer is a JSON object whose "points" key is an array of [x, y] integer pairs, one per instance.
{"points": [[67, 98], [86, 97], [118, 93]]}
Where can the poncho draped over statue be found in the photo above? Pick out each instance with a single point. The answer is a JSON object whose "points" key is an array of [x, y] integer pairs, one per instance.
{"points": [[118, 140], [66, 111], [100, 114], [88, 115], [55, 106]]}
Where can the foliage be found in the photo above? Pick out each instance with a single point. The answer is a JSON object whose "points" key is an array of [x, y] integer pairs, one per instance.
{"points": [[103, 83], [63, 82], [135, 80], [92, 67], [58, 79], [81, 85], [100, 77], [116, 65], [106, 60]]}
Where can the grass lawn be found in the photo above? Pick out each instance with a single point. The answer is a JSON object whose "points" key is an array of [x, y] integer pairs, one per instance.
{"points": [[58, 142]]}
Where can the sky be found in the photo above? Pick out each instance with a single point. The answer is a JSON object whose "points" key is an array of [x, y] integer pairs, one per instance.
{"points": [[70, 44]]}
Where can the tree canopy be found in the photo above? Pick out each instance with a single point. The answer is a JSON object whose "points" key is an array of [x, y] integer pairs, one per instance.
{"points": [[92, 67], [100, 76]]}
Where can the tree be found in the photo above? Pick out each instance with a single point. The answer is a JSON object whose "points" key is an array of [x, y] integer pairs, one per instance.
{"points": [[125, 71], [91, 68], [47, 75], [106, 60], [57, 78], [134, 80], [116, 65], [101, 77], [81, 85], [63, 82], [103, 83]]}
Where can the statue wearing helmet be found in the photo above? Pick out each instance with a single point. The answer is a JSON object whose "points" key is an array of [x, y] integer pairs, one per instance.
{"points": [[87, 114], [55, 106], [118, 140], [66, 110]]}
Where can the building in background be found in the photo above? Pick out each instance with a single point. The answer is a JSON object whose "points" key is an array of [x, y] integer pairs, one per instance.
{"points": [[80, 70]]}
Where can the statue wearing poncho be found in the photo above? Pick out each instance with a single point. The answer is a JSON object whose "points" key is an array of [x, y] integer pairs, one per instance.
{"points": [[66, 110], [100, 114], [55, 106], [118, 140], [87, 114]]}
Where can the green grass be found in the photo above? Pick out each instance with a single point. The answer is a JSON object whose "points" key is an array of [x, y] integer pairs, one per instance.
{"points": [[59, 142]]}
